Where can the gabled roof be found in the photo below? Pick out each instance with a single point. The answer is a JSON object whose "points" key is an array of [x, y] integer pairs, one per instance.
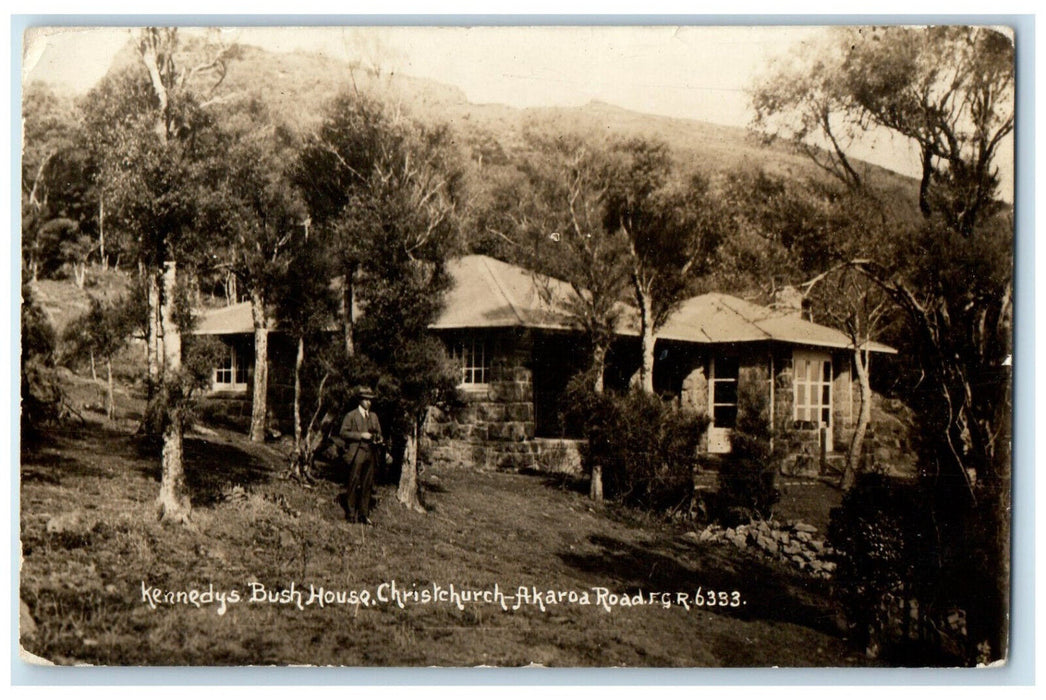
{"points": [[721, 318]]}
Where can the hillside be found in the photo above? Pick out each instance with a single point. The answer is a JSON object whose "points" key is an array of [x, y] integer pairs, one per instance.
{"points": [[62, 301], [297, 86], [91, 545]]}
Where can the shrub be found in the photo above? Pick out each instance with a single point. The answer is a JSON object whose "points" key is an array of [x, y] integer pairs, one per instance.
{"points": [[748, 475], [41, 392], [646, 448], [888, 575]]}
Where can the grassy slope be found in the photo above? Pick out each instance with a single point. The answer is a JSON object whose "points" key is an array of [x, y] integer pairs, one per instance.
{"points": [[62, 301], [298, 86], [89, 539]]}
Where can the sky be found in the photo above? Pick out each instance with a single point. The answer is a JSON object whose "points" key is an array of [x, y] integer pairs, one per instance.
{"points": [[689, 72]]}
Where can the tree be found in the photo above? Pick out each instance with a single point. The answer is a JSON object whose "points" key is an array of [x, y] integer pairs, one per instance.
{"points": [[41, 392], [54, 183], [261, 215], [305, 307], [559, 218], [804, 100], [950, 91], [406, 227], [149, 121], [335, 165], [561, 223], [387, 190], [670, 230], [101, 332], [849, 300]]}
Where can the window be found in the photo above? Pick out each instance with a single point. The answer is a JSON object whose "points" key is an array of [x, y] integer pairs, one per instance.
{"points": [[231, 372], [813, 388], [724, 391], [472, 354]]}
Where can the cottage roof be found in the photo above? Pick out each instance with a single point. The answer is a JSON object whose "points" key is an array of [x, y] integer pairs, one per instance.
{"points": [[489, 293], [721, 318], [227, 320], [485, 293]]}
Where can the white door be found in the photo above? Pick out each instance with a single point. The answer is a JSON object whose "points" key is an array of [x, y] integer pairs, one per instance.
{"points": [[722, 402], [813, 391]]}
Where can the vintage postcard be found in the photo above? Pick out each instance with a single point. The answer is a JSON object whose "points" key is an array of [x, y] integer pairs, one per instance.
{"points": [[507, 346]]}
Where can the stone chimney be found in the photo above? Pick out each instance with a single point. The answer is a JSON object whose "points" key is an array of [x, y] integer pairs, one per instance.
{"points": [[789, 302]]}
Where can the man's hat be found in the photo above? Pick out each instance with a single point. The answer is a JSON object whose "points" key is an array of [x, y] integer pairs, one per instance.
{"points": [[365, 393]]}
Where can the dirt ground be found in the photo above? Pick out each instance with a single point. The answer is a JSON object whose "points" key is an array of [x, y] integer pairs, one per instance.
{"points": [[102, 582]]}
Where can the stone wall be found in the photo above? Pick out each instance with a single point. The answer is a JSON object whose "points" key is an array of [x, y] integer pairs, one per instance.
{"points": [[799, 448], [548, 455], [494, 429], [503, 409], [888, 445], [694, 392]]}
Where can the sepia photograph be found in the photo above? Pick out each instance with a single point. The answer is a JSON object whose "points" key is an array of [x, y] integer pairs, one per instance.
{"points": [[516, 346]]}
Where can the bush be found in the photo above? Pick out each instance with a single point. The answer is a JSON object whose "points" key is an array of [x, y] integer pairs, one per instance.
{"points": [[41, 392], [646, 448], [748, 475], [888, 575]]}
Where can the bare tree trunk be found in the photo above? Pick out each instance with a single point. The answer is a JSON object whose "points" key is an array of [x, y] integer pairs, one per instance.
{"points": [[170, 341], [599, 360], [152, 343], [231, 294], [348, 314], [174, 503], [306, 447], [261, 367], [101, 234], [646, 319], [94, 373], [595, 491], [407, 494], [599, 356], [79, 274], [298, 361], [864, 417], [110, 408]]}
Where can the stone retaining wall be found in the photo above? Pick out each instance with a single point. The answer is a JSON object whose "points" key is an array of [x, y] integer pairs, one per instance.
{"points": [[544, 455]]}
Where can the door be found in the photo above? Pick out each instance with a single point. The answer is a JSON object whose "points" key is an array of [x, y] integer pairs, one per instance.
{"points": [[813, 391], [722, 401], [554, 362]]}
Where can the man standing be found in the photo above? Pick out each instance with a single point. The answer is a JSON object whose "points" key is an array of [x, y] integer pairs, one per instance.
{"points": [[361, 433]]}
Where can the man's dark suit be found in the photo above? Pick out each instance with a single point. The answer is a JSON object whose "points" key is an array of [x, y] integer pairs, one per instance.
{"points": [[360, 457]]}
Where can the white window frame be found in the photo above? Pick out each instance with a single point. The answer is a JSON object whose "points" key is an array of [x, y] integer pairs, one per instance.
{"points": [[714, 379], [803, 385], [228, 371], [473, 355], [718, 437]]}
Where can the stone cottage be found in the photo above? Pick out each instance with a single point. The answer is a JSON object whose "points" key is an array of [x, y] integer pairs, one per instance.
{"points": [[513, 334], [715, 350]]}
